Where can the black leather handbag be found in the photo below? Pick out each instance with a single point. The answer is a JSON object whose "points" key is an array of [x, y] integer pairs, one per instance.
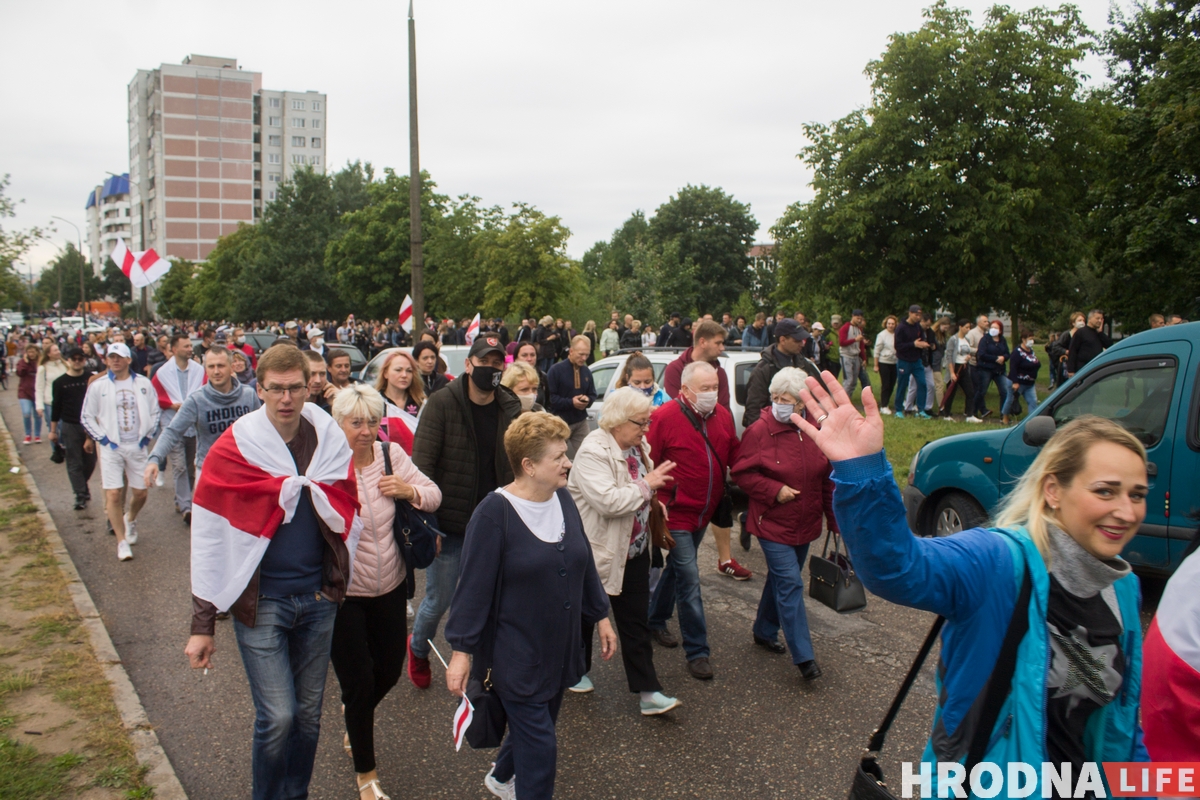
{"points": [[489, 718], [417, 529], [868, 781], [832, 580]]}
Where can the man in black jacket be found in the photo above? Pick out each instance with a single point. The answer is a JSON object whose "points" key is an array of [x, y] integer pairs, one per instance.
{"points": [[1087, 343], [786, 352], [459, 445]]}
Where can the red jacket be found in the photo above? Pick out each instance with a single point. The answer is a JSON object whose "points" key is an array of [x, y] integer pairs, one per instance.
{"points": [[673, 374], [699, 477], [27, 376], [773, 454]]}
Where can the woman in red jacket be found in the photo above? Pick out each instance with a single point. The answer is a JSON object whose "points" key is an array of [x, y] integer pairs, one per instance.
{"points": [[27, 394], [787, 479]]}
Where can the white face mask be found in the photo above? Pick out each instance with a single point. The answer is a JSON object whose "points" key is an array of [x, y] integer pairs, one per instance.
{"points": [[1029, 343], [527, 401], [241, 340], [995, 331], [705, 402], [783, 411], [1080, 323]]}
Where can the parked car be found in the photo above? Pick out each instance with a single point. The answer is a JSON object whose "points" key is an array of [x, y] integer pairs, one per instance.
{"points": [[357, 360], [1146, 382], [261, 340], [454, 355]]}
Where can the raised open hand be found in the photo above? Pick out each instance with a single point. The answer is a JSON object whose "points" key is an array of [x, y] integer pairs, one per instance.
{"points": [[844, 433]]}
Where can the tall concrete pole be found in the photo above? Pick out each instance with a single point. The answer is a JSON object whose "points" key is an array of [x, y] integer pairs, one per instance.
{"points": [[414, 185]]}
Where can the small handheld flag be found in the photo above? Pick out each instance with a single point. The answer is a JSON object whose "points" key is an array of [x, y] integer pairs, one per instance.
{"points": [[473, 330], [405, 318], [462, 721]]}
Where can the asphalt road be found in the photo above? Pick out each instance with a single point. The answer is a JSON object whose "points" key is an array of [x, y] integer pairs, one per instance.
{"points": [[756, 731]]}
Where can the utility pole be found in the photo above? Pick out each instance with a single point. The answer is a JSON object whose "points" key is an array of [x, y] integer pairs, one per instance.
{"points": [[416, 256], [82, 261]]}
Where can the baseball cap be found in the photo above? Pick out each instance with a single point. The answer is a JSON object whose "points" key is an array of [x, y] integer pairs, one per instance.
{"points": [[791, 329], [74, 352], [486, 344], [914, 309], [118, 349], [291, 323], [856, 312], [816, 326]]}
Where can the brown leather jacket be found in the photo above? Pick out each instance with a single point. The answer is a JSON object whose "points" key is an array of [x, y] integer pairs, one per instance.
{"points": [[336, 569]]}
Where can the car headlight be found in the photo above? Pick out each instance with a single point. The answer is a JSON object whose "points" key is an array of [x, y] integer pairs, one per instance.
{"points": [[912, 467]]}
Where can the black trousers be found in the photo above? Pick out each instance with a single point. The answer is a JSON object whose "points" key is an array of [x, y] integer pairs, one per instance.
{"points": [[80, 464], [887, 375], [530, 748], [967, 385], [631, 610], [368, 650]]}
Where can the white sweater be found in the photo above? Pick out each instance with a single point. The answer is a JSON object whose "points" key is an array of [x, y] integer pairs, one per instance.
{"points": [[885, 347]]}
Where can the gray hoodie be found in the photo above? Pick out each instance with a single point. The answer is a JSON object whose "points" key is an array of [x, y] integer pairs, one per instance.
{"points": [[210, 412]]}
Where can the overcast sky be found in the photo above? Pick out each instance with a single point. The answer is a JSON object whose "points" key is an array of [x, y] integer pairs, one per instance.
{"points": [[587, 110]]}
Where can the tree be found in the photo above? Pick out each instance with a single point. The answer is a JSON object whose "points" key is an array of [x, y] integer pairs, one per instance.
{"points": [[212, 293], [454, 284], [66, 267], [965, 183], [172, 293], [113, 284], [526, 264], [1148, 214], [13, 246]]}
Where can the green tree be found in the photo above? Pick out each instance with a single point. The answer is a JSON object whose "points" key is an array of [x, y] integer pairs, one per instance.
{"points": [[1148, 213], [172, 293], [454, 285], [526, 264], [965, 183], [114, 285], [212, 294], [351, 186], [67, 266], [14, 244]]}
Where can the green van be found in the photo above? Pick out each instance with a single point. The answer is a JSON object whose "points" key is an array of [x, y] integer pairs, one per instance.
{"points": [[1147, 382]]}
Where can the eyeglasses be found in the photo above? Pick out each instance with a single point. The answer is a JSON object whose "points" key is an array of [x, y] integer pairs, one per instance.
{"points": [[640, 423], [280, 391]]}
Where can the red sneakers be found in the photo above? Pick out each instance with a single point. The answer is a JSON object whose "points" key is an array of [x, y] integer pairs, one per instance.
{"points": [[734, 570], [418, 668]]}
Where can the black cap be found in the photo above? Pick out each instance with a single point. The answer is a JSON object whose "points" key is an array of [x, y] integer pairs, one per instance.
{"points": [[487, 343], [914, 309], [856, 312], [74, 352], [791, 329]]}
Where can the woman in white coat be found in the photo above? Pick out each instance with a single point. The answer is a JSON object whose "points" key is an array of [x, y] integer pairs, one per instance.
{"points": [[613, 482]]}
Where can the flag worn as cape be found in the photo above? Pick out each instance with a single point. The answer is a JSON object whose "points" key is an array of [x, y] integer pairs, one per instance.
{"points": [[166, 382], [1171, 669]]}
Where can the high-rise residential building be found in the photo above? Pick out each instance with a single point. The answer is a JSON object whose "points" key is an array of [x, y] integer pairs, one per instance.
{"points": [[209, 149], [108, 219]]}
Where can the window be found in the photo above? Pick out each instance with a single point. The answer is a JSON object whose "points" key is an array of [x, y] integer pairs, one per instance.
{"points": [[275, 140], [315, 161], [297, 158], [273, 158], [271, 195], [601, 376], [297, 141], [316, 141], [274, 177], [316, 123], [297, 105], [273, 102], [1137, 395], [274, 122], [316, 105], [297, 122]]}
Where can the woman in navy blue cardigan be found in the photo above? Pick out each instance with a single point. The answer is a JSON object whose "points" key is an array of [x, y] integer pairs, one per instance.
{"points": [[527, 583]]}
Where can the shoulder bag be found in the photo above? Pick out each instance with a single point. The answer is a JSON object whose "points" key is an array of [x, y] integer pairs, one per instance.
{"points": [[489, 718], [831, 578], [868, 777], [660, 533], [417, 529], [723, 515]]}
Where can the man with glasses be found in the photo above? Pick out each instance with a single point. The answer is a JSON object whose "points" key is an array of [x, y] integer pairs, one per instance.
{"points": [[68, 391], [460, 446], [277, 557]]}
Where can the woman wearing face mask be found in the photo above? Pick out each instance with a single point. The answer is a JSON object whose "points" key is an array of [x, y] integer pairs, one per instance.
{"points": [[404, 394], [1050, 573], [527, 353], [991, 357], [786, 477], [522, 378], [638, 372], [429, 363], [1022, 371]]}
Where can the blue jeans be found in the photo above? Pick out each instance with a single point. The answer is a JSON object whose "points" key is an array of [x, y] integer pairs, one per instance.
{"points": [[29, 416], [782, 602], [906, 370], [680, 582], [440, 580], [530, 747], [286, 655], [984, 379], [1028, 392]]}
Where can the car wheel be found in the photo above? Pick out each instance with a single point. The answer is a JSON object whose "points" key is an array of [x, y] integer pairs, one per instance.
{"points": [[956, 512]]}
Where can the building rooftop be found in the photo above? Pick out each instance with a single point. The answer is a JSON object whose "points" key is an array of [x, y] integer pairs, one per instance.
{"points": [[113, 185]]}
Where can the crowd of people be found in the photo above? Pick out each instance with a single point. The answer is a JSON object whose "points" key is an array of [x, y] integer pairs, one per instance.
{"points": [[545, 527]]}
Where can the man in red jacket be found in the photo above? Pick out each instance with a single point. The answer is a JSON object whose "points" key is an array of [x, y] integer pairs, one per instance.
{"points": [[697, 433]]}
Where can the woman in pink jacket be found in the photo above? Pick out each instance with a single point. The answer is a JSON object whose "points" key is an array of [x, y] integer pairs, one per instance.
{"points": [[787, 479], [371, 626]]}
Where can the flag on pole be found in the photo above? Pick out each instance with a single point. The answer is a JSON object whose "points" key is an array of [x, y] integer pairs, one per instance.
{"points": [[406, 320], [473, 330], [153, 265], [129, 265], [462, 721]]}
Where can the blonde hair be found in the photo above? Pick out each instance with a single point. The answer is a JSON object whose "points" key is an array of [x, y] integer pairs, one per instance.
{"points": [[519, 371], [416, 387], [357, 400], [622, 406], [1063, 457], [530, 434]]}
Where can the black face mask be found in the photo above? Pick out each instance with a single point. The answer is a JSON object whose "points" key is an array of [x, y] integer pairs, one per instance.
{"points": [[486, 379]]}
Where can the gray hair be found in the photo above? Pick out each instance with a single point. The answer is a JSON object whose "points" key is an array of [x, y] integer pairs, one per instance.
{"points": [[357, 400], [621, 406], [691, 369], [789, 380]]}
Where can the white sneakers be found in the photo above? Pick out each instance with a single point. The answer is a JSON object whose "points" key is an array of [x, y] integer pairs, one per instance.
{"points": [[972, 419], [658, 704], [887, 412], [583, 687], [124, 551], [507, 791], [409, 612], [130, 530], [158, 481]]}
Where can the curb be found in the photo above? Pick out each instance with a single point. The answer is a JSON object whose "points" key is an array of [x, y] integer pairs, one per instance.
{"points": [[149, 753]]}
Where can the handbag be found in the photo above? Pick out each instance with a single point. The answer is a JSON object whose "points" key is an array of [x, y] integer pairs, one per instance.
{"points": [[660, 533], [418, 530], [489, 718], [868, 783], [58, 454], [832, 579]]}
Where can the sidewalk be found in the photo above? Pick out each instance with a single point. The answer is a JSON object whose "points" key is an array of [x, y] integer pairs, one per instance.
{"points": [[71, 724]]}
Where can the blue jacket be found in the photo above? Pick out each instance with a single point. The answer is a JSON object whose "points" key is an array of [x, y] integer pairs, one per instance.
{"points": [[956, 576], [988, 351], [561, 389], [752, 339]]}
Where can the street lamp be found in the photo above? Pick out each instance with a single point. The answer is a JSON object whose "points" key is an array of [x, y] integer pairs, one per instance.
{"points": [[143, 311], [79, 246]]}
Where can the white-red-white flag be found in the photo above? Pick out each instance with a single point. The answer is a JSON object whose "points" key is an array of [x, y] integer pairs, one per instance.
{"points": [[153, 265], [473, 330], [462, 721], [129, 265], [405, 319]]}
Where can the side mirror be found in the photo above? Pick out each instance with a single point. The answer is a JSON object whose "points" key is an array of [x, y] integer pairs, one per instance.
{"points": [[1038, 431]]}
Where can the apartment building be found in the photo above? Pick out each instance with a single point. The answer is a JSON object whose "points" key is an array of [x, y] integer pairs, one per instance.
{"points": [[108, 219], [209, 149]]}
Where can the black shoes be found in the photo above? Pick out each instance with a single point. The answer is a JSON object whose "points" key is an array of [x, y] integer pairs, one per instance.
{"points": [[80, 503], [770, 646], [665, 637], [809, 670], [187, 517], [700, 669]]}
